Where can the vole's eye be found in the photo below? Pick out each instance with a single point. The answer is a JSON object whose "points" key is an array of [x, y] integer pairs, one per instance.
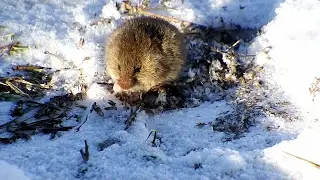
{"points": [[136, 69], [119, 67]]}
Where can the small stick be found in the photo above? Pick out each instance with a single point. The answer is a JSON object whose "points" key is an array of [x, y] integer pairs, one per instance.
{"points": [[92, 108], [29, 67], [1, 83], [54, 55], [9, 46], [8, 35], [305, 160], [236, 43], [57, 129], [16, 89], [314, 87], [85, 154], [78, 128], [131, 117], [154, 137], [41, 104], [31, 84], [97, 109], [14, 121]]}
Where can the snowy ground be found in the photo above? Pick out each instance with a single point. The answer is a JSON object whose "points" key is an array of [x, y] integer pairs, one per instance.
{"points": [[291, 27]]}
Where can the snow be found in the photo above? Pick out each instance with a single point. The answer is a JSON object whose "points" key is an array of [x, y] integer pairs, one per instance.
{"points": [[294, 36], [9, 172], [185, 151]]}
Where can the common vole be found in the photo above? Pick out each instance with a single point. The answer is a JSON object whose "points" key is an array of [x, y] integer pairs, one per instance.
{"points": [[144, 52]]}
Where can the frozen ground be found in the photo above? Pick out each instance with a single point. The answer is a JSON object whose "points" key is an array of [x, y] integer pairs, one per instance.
{"points": [[291, 27]]}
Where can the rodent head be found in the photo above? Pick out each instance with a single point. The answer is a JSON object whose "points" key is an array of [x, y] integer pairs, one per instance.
{"points": [[143, 53], [137, 69]]}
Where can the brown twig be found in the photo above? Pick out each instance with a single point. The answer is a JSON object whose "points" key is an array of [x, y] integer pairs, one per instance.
{"points": [[314, 87], [85, 154], [28, 68]]}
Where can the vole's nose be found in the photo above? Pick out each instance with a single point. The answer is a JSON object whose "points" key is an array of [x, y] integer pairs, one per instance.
{"points": [[126, 83]]}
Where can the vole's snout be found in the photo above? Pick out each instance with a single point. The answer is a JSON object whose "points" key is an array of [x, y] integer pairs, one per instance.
{"points": [[126, 83]]}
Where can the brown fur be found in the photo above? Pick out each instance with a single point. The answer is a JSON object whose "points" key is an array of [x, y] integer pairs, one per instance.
{"points": [[145, 52]]}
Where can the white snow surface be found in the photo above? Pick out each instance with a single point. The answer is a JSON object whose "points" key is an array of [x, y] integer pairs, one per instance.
{"points": [[291, 27], [9, 172]]}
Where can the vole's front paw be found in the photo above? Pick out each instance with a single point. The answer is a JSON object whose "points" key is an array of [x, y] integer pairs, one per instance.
{"points": [[129, 97], [166, 95]]}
